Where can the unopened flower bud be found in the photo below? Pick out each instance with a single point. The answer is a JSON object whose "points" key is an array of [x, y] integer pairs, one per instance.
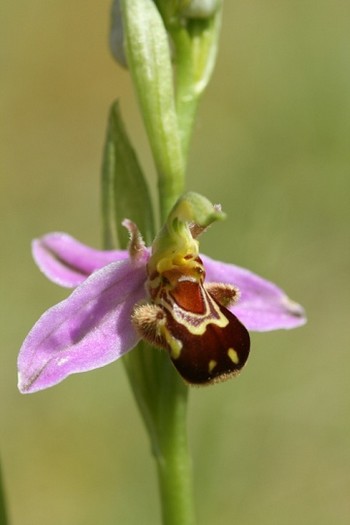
{"points": [[116, 34], [201, 8]]}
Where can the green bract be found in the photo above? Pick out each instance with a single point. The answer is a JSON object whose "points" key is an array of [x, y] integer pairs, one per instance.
{"points": [[124, 187], [149, 60]]}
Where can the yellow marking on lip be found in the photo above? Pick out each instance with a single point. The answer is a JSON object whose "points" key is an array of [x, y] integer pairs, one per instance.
{"points": [[212, 365], [175, 347], [231, 352], [204, 320]]}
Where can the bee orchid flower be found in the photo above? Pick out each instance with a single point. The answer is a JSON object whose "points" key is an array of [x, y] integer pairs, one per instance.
{"points": [[198, 309]]}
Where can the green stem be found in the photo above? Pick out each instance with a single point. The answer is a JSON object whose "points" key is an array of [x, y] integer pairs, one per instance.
{"points": [[169, 190], [173, 460]]}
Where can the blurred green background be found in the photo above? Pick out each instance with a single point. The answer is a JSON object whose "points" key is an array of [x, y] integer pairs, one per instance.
{"points": [[272, 146]]}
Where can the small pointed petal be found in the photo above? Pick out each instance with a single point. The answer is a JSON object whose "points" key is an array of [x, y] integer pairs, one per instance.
{"points": [[263, 306], [88, 330], [67, 262]]}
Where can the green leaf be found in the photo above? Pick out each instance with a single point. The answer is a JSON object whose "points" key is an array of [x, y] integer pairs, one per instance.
{"points": [[124, 189], [125, 195], [3, 513], [149, 60]]}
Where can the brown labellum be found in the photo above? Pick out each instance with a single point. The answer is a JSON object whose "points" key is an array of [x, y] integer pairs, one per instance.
{"points": [[205, 341]]}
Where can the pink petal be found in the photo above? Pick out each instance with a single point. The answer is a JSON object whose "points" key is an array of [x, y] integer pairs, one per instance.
{"points": [[67, 262], [263, 306], [88, 330]]}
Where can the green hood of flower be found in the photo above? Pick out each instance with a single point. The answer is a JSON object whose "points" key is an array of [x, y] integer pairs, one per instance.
{"points": [[176, 243]]}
